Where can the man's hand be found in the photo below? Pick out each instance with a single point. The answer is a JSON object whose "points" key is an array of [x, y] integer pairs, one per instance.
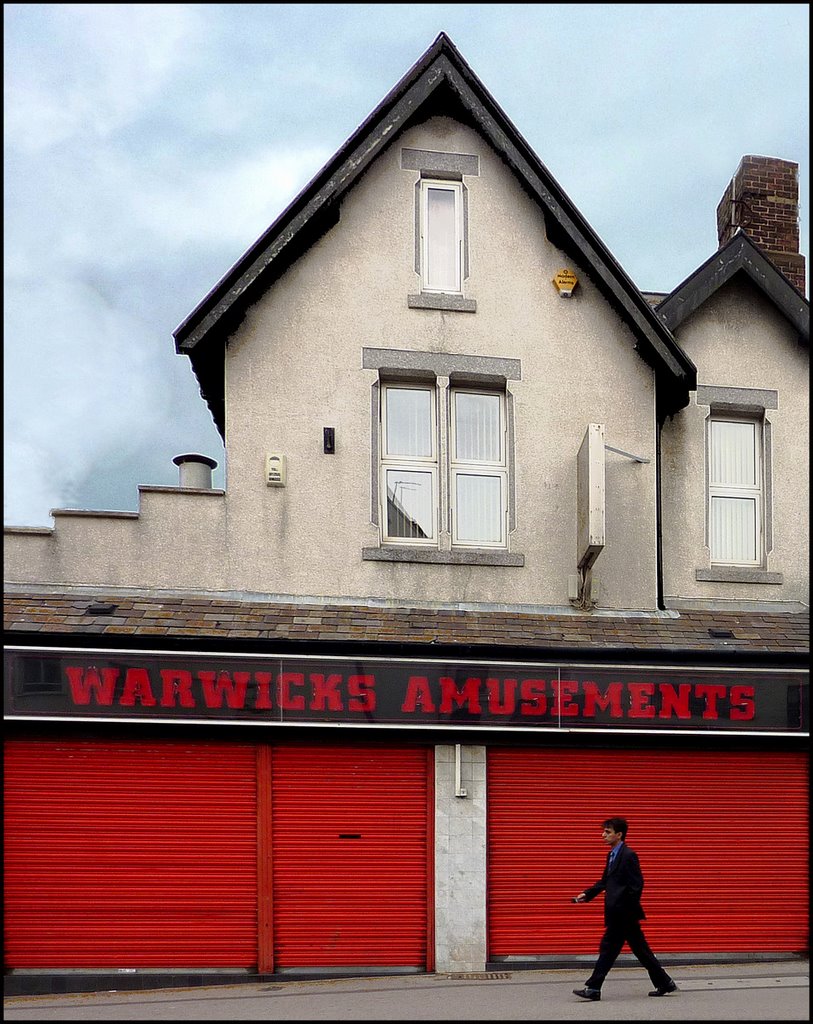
{"points": [[578, 899]]}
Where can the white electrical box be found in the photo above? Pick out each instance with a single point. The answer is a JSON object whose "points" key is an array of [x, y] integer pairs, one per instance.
{"points": [[276, 469]]}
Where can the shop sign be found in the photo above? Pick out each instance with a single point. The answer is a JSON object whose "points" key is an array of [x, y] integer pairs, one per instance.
{"points": [[126, 685]]}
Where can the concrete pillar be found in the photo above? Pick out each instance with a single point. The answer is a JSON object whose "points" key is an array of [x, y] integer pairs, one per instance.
{"points": [[460, 860]]}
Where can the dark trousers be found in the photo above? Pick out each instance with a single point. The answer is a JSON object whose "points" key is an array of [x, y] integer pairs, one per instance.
{"points": [[610, 946]]}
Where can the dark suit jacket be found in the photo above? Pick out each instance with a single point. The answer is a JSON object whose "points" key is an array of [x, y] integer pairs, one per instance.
{"points": [[622, 888]]}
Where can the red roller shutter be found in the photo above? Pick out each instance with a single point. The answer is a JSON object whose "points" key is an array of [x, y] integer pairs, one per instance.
{"points": [[351, 856], [722, 838], [130, 855]]}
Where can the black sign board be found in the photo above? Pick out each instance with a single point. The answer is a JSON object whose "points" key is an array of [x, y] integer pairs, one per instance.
{"points": [[126, 685]]}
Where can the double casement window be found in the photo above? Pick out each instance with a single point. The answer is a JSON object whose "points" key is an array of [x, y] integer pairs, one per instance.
{"points": [[443, 466], [441, 242], [736, 492]]}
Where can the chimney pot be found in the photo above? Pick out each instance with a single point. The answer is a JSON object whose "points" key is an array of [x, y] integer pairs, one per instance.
{"points": [[195, 471]]}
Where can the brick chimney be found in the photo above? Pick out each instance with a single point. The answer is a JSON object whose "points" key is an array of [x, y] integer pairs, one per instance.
{"points": [[762, 199]]}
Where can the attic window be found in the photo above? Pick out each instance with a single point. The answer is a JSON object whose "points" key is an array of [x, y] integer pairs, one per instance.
{"points": [[442, 236], [441, 228]]}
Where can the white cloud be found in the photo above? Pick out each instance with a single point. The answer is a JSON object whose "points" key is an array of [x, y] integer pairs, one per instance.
{"points": [[81, 383], [94, 69], [234, 202]]}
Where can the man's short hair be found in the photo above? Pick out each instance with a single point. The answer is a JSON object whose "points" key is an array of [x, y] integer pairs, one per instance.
{"points": [[617, 825]]}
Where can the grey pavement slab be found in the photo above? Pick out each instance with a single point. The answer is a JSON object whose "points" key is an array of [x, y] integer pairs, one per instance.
{"points": [[742, 992]]}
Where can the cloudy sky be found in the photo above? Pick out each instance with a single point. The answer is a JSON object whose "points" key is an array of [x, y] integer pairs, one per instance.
{"points": [[147, 146]]}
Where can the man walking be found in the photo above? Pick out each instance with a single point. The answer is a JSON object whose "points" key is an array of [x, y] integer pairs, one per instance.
{"points": [[622, 883]]}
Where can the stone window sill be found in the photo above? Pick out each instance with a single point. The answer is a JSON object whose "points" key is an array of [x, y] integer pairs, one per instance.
{"points": [[393, 553], [721, 574], [440, 300]]}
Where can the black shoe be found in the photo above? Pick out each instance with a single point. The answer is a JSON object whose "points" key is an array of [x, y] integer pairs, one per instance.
{"points": [[588, 993], [664, 990]]}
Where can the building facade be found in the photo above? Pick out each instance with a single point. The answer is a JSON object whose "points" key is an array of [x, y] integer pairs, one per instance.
{"points": [[505, 547]]}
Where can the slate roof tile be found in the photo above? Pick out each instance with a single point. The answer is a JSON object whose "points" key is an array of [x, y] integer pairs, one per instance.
{"points": [[63, 611]]}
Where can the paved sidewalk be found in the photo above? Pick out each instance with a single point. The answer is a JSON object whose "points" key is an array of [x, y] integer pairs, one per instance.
{"points": [[763, 992]]}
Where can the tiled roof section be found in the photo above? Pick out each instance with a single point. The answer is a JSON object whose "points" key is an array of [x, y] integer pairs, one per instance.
{"points": [[207, 616]]}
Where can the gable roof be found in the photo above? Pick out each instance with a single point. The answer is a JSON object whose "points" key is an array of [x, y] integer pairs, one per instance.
{"points": [[740, 255], [439, 82]]}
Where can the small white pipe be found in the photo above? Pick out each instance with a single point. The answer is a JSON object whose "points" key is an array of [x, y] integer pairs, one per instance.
{"points": [[458, 771]]}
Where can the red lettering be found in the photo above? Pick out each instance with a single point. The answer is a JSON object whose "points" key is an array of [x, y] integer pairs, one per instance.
{"points": [[418, 692], [532, 693], [264, 680], [563, 690], [640, 696], [743, 705], [595, 699], [86, 683], [234, 690], [326, 696], [137, 687], [177, 687], [675, 700], [287, 701], [711, 694], [470, 694], [508, 704], [362, 693]]}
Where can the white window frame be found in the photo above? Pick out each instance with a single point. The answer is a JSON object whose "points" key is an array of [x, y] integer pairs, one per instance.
{"points": [[410, 464], [492, 469], [721, 490], [456, 188], [445, 463]]}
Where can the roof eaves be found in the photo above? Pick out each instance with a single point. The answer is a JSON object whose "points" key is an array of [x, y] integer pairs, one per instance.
{"points": [[320, 188], [510, 143], [441, 63], [741, 254]]}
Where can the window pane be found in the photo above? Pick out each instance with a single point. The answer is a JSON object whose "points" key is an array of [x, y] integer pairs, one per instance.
{"points": [[409, 422], [441, 240], [479, 511], [409, 505], [478, 437], [733, 530], [733, 454]]}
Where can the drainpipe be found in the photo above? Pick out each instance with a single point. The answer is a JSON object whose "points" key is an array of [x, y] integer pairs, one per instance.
{"points": [[658, 515]]}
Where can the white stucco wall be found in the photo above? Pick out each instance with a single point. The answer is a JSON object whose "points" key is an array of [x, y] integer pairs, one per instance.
{"points": [[738, 339]]}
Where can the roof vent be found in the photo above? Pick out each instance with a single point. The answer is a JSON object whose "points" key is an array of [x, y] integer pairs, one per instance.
{"points": [[195, 471], [100, 608], [722, 634]]}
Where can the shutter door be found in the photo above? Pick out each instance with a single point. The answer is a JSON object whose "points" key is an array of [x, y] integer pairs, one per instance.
{"points": [[351, 856], [130, 855], [722, 838]]}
